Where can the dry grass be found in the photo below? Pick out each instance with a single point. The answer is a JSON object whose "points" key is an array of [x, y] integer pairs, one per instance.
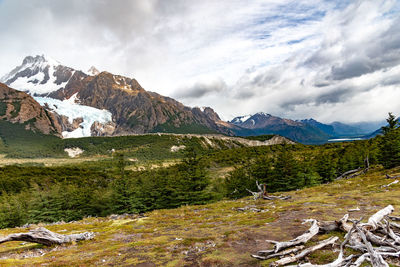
{"points": [[48, 161], [207, 235]]}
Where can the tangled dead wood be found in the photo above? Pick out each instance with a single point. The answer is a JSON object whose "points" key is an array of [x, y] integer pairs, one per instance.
{"points": [[376, 241], [43, 236], [262, 193]]}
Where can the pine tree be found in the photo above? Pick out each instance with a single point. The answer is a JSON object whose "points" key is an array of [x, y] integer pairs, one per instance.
{"points": [[389, 146], [285, 173], [326, 167]]}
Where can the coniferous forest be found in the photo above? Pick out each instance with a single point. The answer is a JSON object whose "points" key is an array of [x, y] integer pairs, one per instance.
{"points": [[36, 193]]}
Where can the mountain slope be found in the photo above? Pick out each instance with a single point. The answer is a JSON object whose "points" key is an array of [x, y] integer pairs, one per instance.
{"points": [[262, 123], [19, 107], [133, 109], [326, 128]]}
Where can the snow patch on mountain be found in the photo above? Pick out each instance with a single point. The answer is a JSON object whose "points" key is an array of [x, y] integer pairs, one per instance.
{"points": [[241, 119], [74, 110], [27, 84], [36, 75]]}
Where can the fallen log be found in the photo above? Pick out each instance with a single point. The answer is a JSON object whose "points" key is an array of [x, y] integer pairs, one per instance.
{"points": [[343, 175], [268, 197], [302, 239], [337, 263], [392, 183], [356, 172], [45, 237], [394, 218], [392, 177], [269, 254], [373, 221], [305, 252]]}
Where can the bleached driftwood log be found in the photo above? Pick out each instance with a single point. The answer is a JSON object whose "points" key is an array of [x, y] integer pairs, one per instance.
{"points": [[392, 183], [43, 236], [302, 239], [374, 220], [302, 254], [268, 254]]}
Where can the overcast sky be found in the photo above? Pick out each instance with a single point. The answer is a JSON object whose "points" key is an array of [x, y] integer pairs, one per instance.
{"points": [[330, 60]]}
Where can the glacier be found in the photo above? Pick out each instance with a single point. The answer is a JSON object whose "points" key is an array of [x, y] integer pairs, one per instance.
{"points": [[74, 110]]}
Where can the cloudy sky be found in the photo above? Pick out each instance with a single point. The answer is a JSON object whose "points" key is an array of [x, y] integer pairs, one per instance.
{"points": [[330, 60]]}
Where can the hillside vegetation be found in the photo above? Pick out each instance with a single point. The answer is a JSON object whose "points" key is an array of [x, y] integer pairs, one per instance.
{"points": [[208, 235], [213, 173]]}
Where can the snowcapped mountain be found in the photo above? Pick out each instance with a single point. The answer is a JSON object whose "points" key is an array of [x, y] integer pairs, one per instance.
{"points": [[101, 103], [262, 120], [241, 119], [39, 75], [263, 123]]}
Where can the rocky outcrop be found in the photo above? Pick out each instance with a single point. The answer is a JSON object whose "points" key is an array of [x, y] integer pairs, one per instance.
{"points": [[68, 126], [102, 129], [19, 107]]}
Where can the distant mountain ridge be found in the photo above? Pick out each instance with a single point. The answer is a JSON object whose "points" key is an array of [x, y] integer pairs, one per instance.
{"points": [[262, 123], [307, 131]]}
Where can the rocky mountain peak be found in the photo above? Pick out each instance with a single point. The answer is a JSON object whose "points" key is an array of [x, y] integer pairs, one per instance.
{"points": [[40, 60], [93, 71], [38, 75]]}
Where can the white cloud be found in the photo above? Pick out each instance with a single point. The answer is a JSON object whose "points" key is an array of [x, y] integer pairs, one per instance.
{"points": [[321, 59]]}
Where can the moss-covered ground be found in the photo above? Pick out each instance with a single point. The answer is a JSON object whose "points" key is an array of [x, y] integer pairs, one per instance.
{"points": [[208, 235]]}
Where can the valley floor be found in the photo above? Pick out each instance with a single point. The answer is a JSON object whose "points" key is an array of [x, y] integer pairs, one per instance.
{"points": [[208, 235], [4, 161]]}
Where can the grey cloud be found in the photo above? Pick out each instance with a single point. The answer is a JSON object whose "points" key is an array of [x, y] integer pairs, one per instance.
{"points": [[394, 80], [353, 68], [199, 90], [292, 103], [338, 95], [245, 94]]}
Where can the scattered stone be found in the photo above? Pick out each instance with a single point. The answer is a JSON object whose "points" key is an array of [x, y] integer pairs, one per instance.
{"points": [[177, 148], [74, 151]]}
